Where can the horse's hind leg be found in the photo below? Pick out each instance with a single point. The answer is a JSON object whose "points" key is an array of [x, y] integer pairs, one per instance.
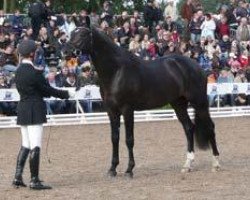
{"points": [[128, 115], [115, 137], [180, 108]]}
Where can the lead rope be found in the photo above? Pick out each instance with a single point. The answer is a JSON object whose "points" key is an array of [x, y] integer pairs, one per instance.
{"points": [[47, 146]]}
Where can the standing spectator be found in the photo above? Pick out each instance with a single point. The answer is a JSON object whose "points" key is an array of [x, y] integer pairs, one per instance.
{"points": [[149, 15], [187, 10], [195, 29], [122, 19], [223, 28], [69, 25], [241, 10], [38, 14], [81, 19], [208, 27], [158, 14], [2, 17], [170, 10], [107, 13], [17, 23], [95, 18]]}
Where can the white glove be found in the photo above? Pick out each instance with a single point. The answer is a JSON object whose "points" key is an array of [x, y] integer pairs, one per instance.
{"points": [[72, 94]]}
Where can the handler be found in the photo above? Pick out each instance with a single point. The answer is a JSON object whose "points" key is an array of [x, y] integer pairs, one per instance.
{"points": [[31, 113]]}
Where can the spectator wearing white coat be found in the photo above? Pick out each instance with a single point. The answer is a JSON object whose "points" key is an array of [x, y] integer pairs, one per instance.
{"points": [[208, 27]]}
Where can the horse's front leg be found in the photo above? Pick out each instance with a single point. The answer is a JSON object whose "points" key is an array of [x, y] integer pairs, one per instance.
{"points": [[115, 137], [128, 115]]}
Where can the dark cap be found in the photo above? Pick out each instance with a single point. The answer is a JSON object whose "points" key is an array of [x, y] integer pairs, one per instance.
{"points": [[26, 47]]}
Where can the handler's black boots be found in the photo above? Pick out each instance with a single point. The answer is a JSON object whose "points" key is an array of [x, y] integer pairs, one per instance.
{"points": [[21, 159], [35, 182]]}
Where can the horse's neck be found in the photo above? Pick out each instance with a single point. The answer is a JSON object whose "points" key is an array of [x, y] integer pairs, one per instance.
{"points": [[105, 57]]}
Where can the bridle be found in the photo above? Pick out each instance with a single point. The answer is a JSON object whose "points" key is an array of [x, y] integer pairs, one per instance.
{"points": [[91, 36]]}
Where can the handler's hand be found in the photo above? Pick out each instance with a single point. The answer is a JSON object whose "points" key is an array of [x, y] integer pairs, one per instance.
{"points": [[72, 94]]}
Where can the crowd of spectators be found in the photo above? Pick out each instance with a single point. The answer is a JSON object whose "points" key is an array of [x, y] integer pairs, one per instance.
{"points": [[219, 42]]}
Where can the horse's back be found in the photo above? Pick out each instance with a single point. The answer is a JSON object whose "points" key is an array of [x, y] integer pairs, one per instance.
{"points": [[171, 77]]}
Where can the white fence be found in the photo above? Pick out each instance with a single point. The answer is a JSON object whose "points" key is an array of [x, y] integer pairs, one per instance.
{"points": [[140, 116]]}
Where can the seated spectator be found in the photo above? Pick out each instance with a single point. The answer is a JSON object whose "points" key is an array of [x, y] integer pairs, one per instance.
{"points": [[95, 18], [8, 60], [211, 47], [211, 78], [7, 107], [54, 106], [62, 75], [243, 31], [244, 59], [225, 45], [223, 28], [87, 77], [226, 76], [152, 49], [121, 19], [124, 35], [234, 63], [134, 45], [205, 62], [240, 77], [71, 81], [168, 24], [240, 100], [134, 28]]}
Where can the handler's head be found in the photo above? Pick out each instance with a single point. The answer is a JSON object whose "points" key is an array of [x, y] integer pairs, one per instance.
{"points": [[27, 48]]}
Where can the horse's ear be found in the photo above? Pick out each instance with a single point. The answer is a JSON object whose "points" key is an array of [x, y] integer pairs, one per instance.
{"points": [[88, 21]]}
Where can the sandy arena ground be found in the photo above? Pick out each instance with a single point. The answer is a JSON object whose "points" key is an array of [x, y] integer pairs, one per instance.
{"points": [[80, 157]]}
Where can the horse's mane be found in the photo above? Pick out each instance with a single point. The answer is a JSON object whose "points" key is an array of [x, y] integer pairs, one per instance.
{"points": [[114, 48]]}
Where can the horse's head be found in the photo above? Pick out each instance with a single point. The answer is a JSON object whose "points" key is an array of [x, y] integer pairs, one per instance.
{"points": [[81, 39]]}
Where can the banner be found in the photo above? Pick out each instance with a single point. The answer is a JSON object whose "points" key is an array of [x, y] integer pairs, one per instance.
{"points": [[88, 92], [92, 92]]}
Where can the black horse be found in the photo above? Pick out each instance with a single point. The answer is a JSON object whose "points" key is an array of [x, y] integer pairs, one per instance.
{"points": [[129, 83]]}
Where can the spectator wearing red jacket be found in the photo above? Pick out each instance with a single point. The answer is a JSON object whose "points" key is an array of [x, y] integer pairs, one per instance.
{"points": [[223, 28]]}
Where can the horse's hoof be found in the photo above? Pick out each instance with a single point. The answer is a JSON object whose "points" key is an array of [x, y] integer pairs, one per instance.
{"points": [[216, 169], [129, 174], [112, 173], [185, 170]]}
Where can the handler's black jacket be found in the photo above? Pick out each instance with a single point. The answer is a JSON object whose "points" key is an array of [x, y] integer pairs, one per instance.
{"points": [[32, 87]]}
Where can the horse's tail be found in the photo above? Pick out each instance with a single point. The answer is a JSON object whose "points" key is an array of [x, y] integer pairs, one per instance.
{"points": [[204, 128]]}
